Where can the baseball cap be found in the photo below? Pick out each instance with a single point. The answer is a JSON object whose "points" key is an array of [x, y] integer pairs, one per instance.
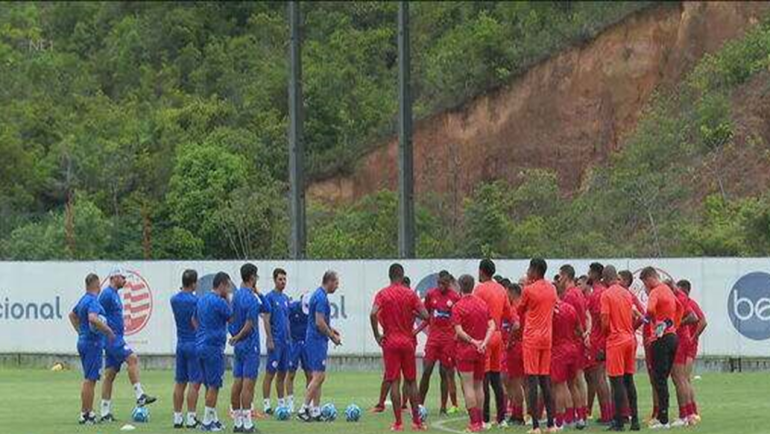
{"points": [[118, 271]]}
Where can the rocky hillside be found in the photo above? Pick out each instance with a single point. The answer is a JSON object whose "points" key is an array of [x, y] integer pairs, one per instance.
{"points": [[566, 114]]}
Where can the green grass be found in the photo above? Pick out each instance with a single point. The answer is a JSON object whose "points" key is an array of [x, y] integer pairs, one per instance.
{"points": [[45, 402]]}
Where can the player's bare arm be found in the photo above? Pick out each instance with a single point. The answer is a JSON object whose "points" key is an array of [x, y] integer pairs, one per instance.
{"points": [[373, 315], [75, 321], [268, 331], [245, 330], [324, 328], [96, 323], [464, 337], [690, 318], [482, 347], [701, 327]]}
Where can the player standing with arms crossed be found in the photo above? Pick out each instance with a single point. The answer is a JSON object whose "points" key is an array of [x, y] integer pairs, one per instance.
{"points": [[212, 314], [395, 308], [244, 329], [319, 333], [496, 298], [298, 327], [278, 356], [536, 308], [474, 328], [618, 315], [117, 352], [440, 346], [92, 332], [183, 305]]}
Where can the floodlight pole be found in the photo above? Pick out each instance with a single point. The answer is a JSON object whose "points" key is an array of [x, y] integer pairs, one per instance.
{"points": [[296, 142], [405, 152]]}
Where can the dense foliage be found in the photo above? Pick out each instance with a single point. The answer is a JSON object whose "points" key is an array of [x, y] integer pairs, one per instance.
{"points": [[158, 130]]}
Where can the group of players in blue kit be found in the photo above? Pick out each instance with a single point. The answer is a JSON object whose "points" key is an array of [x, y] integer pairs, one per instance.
{"points": [[203, 324]]}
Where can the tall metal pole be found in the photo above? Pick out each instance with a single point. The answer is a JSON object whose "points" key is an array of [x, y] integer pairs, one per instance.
{"points": [[296, 141], [405, 153]]}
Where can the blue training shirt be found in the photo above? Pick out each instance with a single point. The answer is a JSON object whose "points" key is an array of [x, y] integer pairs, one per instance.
{"points": [[88, 303], [279, 316], [184, 304], [113, 310], [212, 314], [297, 321], [246, 306], [319, 303]]}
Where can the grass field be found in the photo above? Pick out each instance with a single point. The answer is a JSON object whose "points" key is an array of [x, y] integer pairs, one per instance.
{"points": [[45, 402]]}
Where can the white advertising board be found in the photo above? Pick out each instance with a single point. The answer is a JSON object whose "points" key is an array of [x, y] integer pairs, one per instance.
{"points": [[36, 297]]}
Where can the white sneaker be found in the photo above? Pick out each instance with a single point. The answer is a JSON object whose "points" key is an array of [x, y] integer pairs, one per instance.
{"points": [[679, 423], [658, 425], [502, 425], [487, 426]]}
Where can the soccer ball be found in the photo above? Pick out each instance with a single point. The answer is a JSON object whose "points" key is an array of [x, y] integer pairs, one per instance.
{"points": [[102, 319], [353, 413], [140, 415], [282, 413], [328, 412], [423, 413]]}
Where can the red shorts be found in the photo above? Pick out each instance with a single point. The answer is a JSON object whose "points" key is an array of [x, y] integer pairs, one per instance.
{"points": [[682, 352], [400, 359], [537, 361], [515, 361], [621, 359], [592, 357], [442, 352], [494, 353], [476, 366], [564, 364]]}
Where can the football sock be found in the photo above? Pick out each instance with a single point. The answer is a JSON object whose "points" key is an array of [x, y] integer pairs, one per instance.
{"points": [[106, 407], [138, 391]]}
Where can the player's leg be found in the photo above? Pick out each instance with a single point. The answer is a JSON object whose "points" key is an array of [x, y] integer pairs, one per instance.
{"points": [[181, 377], [132, 363], [451, 387], [408, 367], [590, 378], [91, 362], [250, 375], [628, 382], [678, 373], [384, 391], [443, 390], [544, 371], [392, 361], [469, 392], [427, 370], [267, 381], [237, 389], [212, 372], [577, 388], [603, 392], [106, 408], [693, 405], [663, 352], [193, 391]]}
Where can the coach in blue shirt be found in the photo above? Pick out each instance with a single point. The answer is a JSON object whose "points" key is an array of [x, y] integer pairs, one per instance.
{"points": [[87, 318], [184, 304], [319, 332], [212, 314], [117, 351]]}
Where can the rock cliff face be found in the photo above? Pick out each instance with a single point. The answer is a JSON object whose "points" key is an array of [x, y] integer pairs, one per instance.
{"points": [[566, 114]]}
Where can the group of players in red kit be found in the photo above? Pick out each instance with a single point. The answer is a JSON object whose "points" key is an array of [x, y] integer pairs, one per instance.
{"points": [[552, 345]]}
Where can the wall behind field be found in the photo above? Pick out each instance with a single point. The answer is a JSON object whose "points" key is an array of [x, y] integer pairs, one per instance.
{"points": [[36, 297]]}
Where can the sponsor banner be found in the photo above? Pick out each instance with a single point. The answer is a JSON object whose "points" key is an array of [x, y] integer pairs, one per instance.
{"points": [[36, 297]]}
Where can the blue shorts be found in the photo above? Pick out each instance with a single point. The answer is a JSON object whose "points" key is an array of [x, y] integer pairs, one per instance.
{"points": [[188, 368], [246, 363], [316, 353], [116, 353], [278, 358], [91, 359], [212, 366], [297, 356]]}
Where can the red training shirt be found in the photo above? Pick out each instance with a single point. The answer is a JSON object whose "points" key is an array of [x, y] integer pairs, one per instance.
{"points": [[398, 307], [496, 298], [617, 304], [439, 305], [565, 325], [472, 315], [536, 308], [597, 337]]}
